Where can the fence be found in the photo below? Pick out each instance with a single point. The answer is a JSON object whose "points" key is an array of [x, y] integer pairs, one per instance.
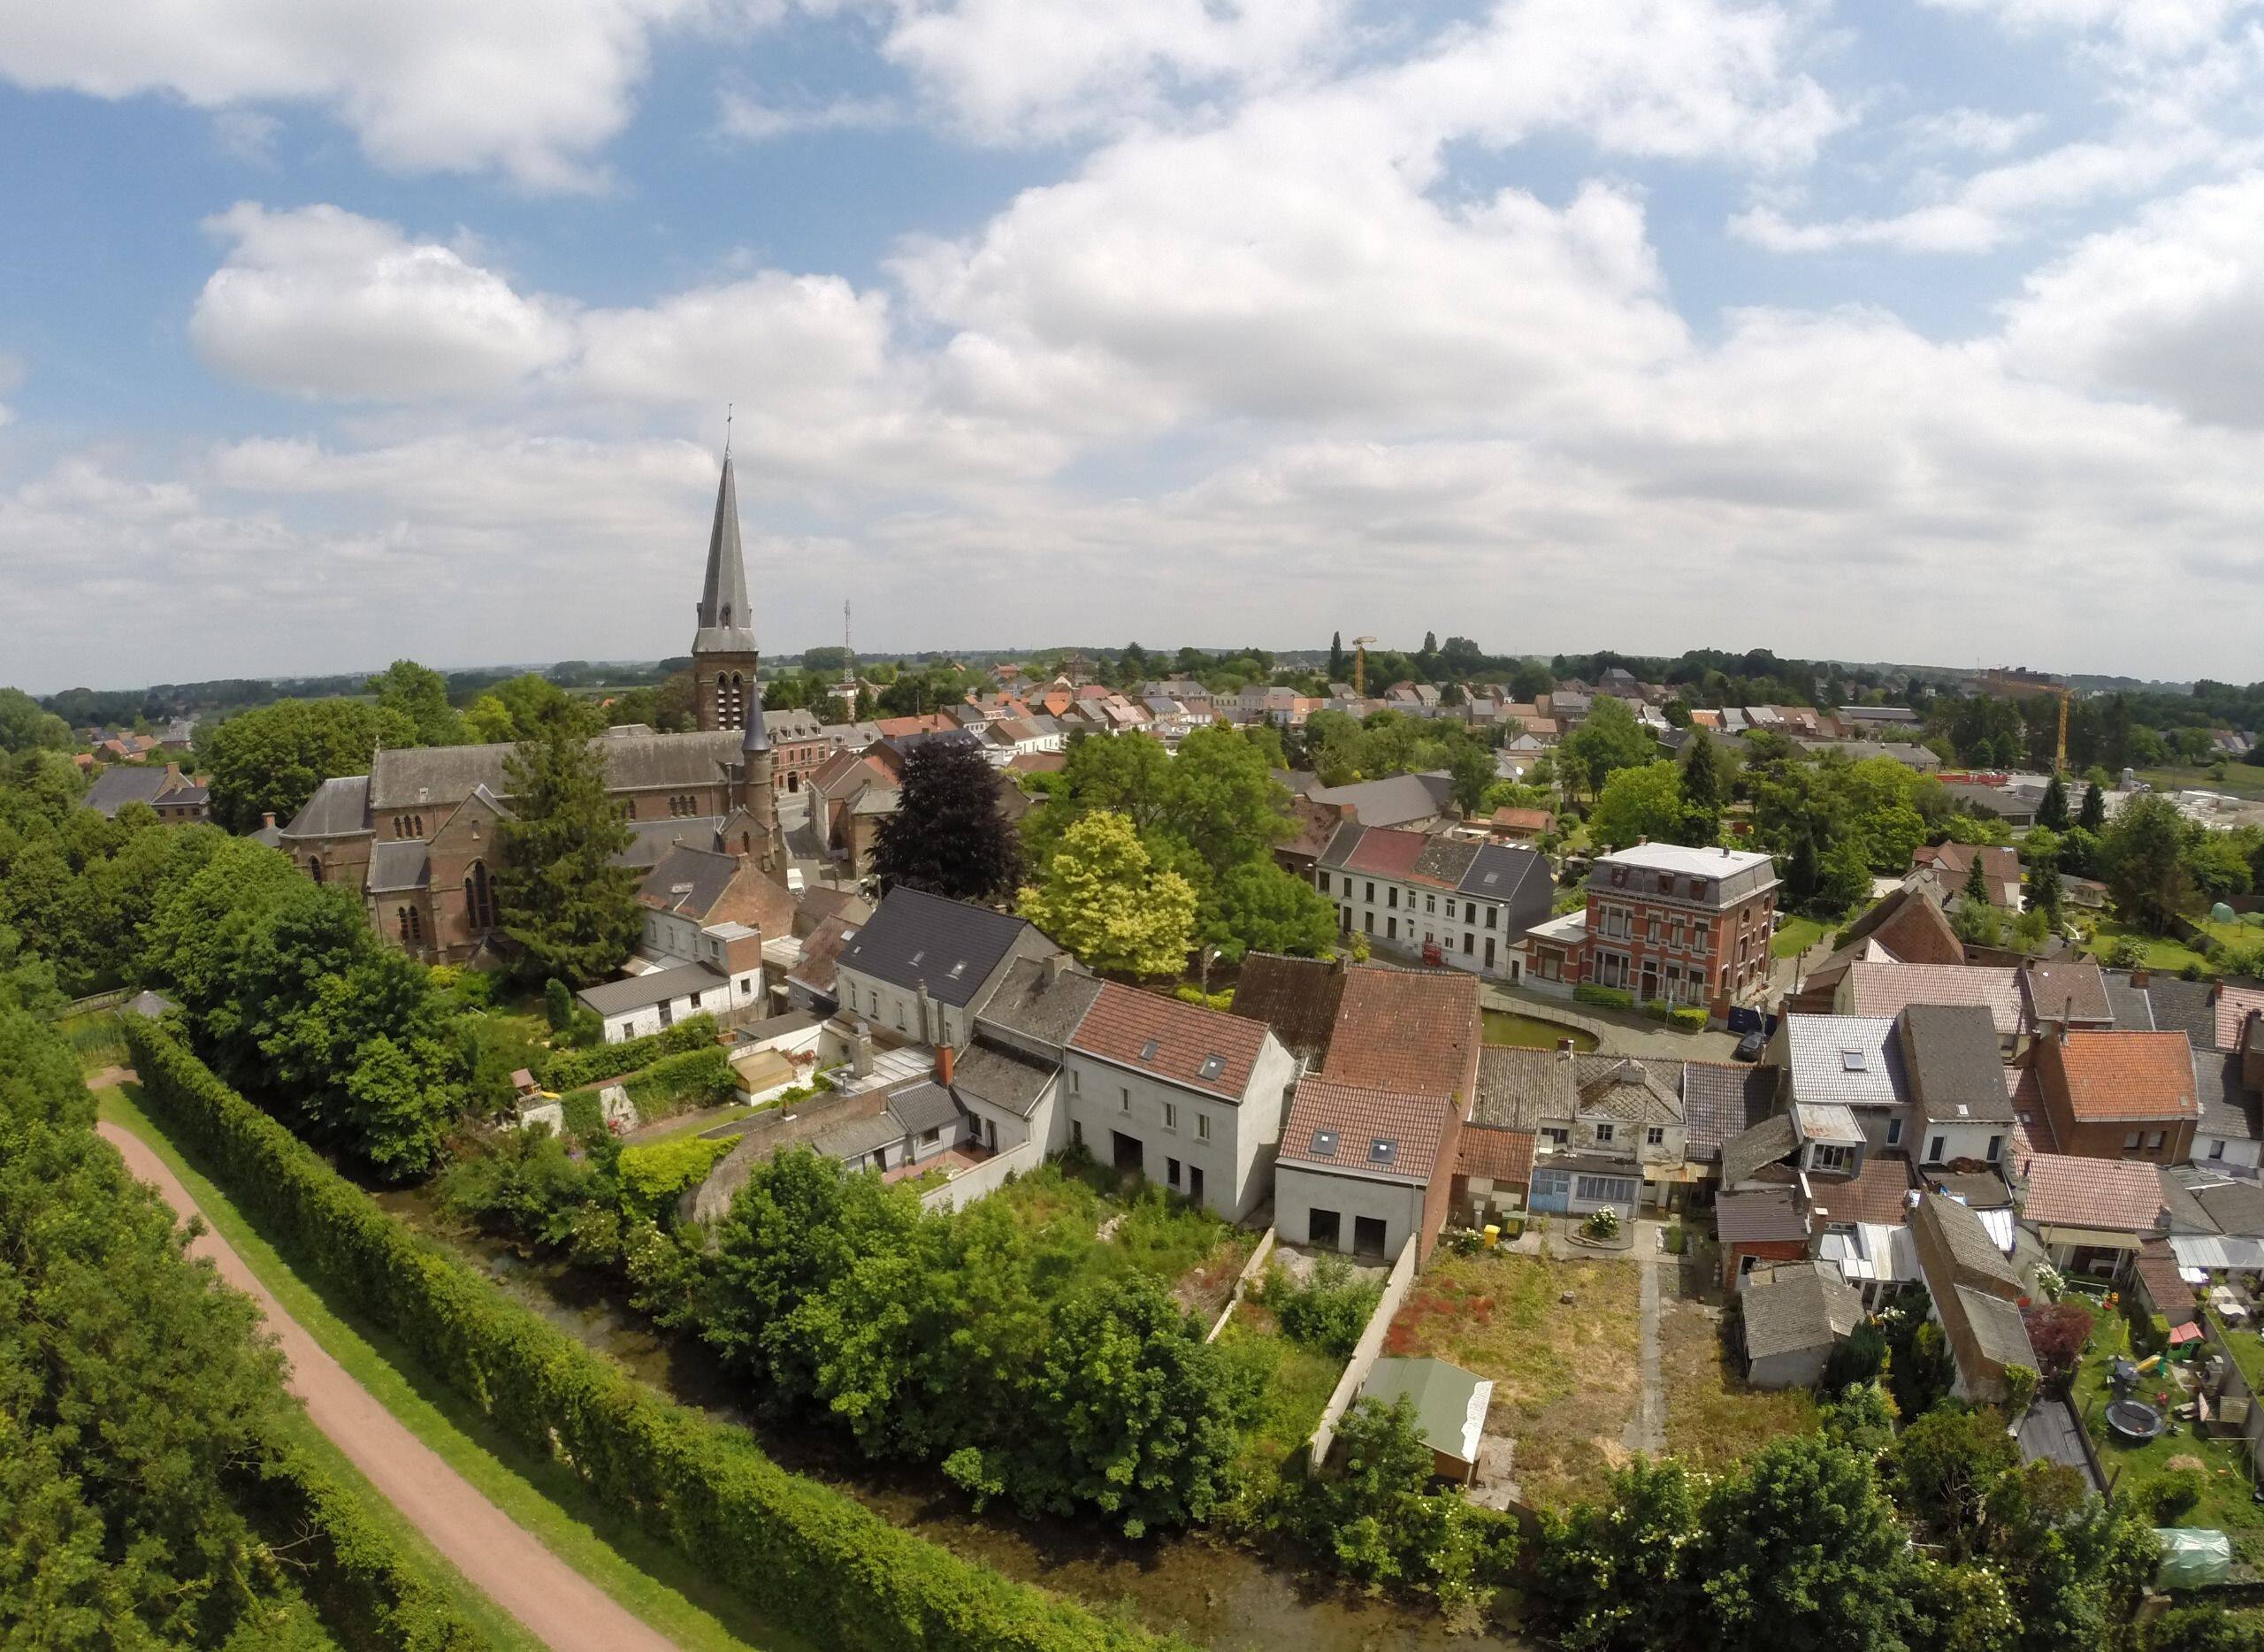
{"points": [[1242, 1282], [1366, 1351]]}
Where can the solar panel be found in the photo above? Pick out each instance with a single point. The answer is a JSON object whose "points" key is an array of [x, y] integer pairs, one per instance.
{"points": [[1381, 1152], [1324, 1144]]}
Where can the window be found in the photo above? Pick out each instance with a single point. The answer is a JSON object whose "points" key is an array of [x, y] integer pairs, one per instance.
{"points": [[1123, 1100], [1557, 1137], [1391, 928], [1894, 1131], [1348, 887], [1934, 1149], [2216, 1150], [1828, 1156], [1391, 896], [479, 897], [695, 1000], [2154, 1142], [1431, 904], [1491, 913], [932, 1137], [2130, 1142], [1372, 890], [1996, 1146], [1171, 1115], [1603, 1132], [1383, 1152], [1651, 929], [1469, 943], [1367, 921], [1202, 1127], [1073, 1080], [1171, 1171], [1655, 1135]]}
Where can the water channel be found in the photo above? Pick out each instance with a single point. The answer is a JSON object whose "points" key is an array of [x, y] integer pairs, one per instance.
{"points": [[1215, 1594]]}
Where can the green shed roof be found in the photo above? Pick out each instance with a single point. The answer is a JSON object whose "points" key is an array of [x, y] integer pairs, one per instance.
{"points": [[1449, 1402]]}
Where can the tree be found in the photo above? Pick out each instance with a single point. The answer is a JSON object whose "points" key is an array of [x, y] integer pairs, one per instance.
{"points": [[527, 707], [25, 726], [1337, 657], [2205, 1629], [1942, 1468], [2218, 865], [947, 836], [1623, 1577], [1640, 803], [1264, 908], [1472, 768], [1706, 784], [2146, 862], [559, 893], [2042, 856], [2058, 1331], [1103, 900], [1375, 1510], [1801, 1548], [1608, 739], [1844, 879], [1976, 883], [2092, 816], [2052, 812], [419, 695], [270, 760]]}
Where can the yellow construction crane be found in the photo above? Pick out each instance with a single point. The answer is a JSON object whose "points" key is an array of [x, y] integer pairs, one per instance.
{"points": [[1360, 666], [2060, 753]]}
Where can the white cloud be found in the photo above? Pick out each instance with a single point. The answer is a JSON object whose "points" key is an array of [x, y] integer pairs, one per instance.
{"points": [[1974, 131], [2170, 309], [2153, 27], [1992, 208], [530, 88], [319, 301], [1016, 71], [758, 122]]}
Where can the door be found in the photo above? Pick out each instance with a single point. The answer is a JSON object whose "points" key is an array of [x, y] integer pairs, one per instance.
{"points": [[1324, 1229], [1367, 1236], [1650, 982], [1130, 1157], [668, 1015], [1194, 1182], [1552, 1191]]}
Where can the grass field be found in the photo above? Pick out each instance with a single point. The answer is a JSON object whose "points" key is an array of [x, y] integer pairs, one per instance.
{"points": [[1565, 1376], [1712, 1418], [1797, 935], [647, 1578], [2163, 952], [2242, 780], [1297, 1382], [2225, 1505], [1149, 1232]]}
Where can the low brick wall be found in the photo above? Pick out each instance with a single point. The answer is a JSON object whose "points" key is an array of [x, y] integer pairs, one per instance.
{"points": [[1366, 1351]]}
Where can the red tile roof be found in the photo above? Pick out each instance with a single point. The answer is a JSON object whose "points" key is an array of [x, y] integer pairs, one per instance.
{"points": [[1879, 1194], [1497, 1155], [1508, 819], [1889, 988], [2113, 1076], [1386, 852], [1123, 1022], [2116, 1196], [1334, 1126], [2233, 1004], [1410, 1030]]}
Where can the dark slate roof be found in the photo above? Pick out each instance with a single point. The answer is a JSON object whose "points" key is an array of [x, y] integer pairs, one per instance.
{"points": [[1798, 1307], [1763, 1145], [923, 1106], [1005, 1078], [1951, 1055], [1518, 1088], [636, 992], [1761, 1215], [687, 881], [1296, 997], [726, 616], [854, 1138], [2184, 1007], [1977, 1190], [446, 775], [1392, 801], [2067, 990], [915, 939], [1721, 1099], [649, 840], [399, 865], [2134, 1011], [1039, 1003], [339, 808], [2229, 1108], [1997, 1326], [122, 783]]}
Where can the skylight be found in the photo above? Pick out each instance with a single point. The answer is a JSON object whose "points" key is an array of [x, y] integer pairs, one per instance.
{"points": [[1148, 1051], [958, 969], [1324, 1144], [1851, 1060], [1213, 1065], [1383, 1151], [917, 956]]}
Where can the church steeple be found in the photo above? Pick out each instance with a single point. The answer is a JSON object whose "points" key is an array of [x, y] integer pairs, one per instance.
{"points": [[724, 654]]}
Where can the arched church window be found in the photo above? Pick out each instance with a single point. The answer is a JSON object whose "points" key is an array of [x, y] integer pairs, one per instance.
{"points": [[479, 897]]}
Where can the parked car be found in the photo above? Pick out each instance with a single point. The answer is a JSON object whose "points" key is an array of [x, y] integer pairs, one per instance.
{"points": [[1750, 1046]]}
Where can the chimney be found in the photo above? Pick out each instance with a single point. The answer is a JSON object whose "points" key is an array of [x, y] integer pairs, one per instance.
{"points": [[173, 771], [860, 1053], [1641, 838], [267, 820], [1056, 965], [1564, 1049], [946, 1057], [2141, 976]]}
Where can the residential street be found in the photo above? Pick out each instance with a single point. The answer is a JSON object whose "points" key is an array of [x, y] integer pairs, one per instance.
{"points": [[500, 1556]]}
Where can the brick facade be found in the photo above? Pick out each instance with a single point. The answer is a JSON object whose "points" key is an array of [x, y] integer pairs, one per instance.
{"points": [[1688, 926]]}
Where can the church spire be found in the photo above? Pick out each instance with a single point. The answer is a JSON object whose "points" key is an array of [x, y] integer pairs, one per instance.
{"points": [[726, 616]]}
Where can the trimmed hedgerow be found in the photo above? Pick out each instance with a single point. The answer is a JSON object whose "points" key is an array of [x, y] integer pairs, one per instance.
{"points": [[1607, 998], [571, 1069], [810, 1557]]}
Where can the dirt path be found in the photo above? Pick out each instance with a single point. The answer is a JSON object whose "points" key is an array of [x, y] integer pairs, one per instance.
{"points": [[556, 1602], [1646, 1428]]}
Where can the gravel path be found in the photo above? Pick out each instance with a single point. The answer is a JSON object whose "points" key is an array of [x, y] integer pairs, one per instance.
{"points": [[556, 1603], [1646, 1429]]}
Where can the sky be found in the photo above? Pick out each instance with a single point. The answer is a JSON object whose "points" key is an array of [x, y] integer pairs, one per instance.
{"points": [[1928, 332]]}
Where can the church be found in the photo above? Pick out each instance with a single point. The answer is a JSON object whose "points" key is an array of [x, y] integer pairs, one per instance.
{"points": [[415, 837]]}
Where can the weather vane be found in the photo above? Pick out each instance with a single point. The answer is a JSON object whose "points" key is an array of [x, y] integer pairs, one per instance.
{"points": [[727, 430]]}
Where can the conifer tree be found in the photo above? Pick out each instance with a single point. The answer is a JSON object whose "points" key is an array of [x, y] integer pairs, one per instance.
{"points": [[558, 891], [2092, 816], [2053, 811]]}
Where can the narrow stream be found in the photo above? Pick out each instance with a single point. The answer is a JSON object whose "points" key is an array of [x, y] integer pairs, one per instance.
{"points": [[1215, 1594]]}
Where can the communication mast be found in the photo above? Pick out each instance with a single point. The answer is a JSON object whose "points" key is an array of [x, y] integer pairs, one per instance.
{"points": [[848, 689]]}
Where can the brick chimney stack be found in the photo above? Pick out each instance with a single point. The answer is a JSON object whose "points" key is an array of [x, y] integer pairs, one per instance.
{"points": [[945, 1059]]}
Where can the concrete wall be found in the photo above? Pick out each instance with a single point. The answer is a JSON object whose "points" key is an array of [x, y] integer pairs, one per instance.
{"points": [[987, 1177], [1959, 1141], [1250, 1271], [1299, 1191], [1796, 1368], [2241, 1155], [1365, 1353]]}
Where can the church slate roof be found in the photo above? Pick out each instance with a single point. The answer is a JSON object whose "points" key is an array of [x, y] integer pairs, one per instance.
{"points": [[430, 776], [726, 616], [339, 808], [396, 867]]}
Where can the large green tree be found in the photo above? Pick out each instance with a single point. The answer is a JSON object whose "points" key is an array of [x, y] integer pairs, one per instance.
{"points": [[1608, 739], [1641, 804], [420, 696], [25, 726], [1104, 899], [2145, 852], [560, 895], [270, 761], [947, 836], [529, 707]]}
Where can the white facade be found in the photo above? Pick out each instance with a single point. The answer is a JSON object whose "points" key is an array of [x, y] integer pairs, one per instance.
{"points": [[716, 999], [2227, 1152], [901, 1009], [1349, 1206], [1470, 933], [1221, 1151]]}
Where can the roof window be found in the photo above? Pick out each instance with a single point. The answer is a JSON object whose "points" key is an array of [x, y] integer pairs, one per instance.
{"points": [[1148, 1051], [917, 956], [1324, 1144], [1384, 1151], [1213, 1065], [1851, 1061], [958, 969]]}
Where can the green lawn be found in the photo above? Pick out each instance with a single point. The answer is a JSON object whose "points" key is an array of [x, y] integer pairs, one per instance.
{"points": [[2225, 1506], [1532, 1032], [2242, 780], [1713, 1420], [649, 1578], [1798, 934], [2163, 952], [1295, 1382]]}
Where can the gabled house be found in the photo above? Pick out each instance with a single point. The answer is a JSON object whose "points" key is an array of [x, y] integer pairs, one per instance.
{"points": [[1951, 1058], [1793, 1314], [1608, 1130], [922, 966], [1975, 1296], [1460, 904], [1887, 988], [2090, 1215], [1947, 866], [2120, 1095]]}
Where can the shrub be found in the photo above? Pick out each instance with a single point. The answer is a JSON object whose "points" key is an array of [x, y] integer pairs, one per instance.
{"points": [[810, 1557], [1607, 998], [679, 1084], [1602, 1223], [1329, 1311], [557, 1005], [1187, 993], [2175, 1493], [652, 1177], [1688, 1018], [1676, 1238]]}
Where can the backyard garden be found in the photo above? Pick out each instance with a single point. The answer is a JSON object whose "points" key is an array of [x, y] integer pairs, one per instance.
{"points": [[1713, 1419], [2184, 1477]]}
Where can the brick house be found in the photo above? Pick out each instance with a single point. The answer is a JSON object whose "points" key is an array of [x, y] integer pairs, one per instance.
{"points": [[1688, 926], [2119, 1095]]}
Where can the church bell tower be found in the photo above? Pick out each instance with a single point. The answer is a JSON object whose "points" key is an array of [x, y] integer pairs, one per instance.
{"points": [[724, 656]]}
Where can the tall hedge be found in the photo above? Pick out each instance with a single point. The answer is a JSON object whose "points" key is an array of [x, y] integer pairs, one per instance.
{"points": [[810, 1558], [571, 1069]]}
